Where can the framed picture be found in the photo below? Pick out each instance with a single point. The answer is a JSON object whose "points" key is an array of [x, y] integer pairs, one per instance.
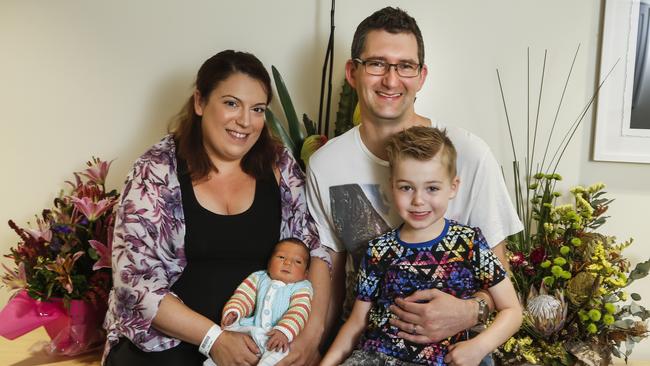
{"points": [[623, 114]]}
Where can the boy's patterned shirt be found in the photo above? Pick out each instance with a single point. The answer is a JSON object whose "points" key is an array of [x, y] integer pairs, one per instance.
{"points": [[458, 262]]}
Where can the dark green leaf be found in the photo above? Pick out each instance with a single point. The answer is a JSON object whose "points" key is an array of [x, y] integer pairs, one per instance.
{"points": [[635, 296], [309, 125], [296, 133], [641, 270], [278, 130]]}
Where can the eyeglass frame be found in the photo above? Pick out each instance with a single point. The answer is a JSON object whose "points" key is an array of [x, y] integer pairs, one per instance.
{"points": [[389, 65]]}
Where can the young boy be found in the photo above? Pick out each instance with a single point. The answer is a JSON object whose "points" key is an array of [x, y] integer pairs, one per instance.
{"points": [[426, 251], [273, 305]]}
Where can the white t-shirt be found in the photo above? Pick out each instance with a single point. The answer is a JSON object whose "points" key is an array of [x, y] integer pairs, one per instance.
{"points": [[348, 192]]}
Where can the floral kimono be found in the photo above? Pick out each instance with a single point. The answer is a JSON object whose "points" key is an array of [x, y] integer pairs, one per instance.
{"points": [[148, 253]]}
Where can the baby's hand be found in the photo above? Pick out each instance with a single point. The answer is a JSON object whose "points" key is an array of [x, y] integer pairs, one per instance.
{"points": [[277, 341], [464, 354], [228, 319]]}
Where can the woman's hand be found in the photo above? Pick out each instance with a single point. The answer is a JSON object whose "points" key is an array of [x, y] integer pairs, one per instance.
{"points": [[464, 354], [429, 316], [277, 341], [233, 348]]}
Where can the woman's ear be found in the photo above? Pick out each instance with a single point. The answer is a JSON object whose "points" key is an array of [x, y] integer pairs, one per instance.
{"points": [[198, 103]]}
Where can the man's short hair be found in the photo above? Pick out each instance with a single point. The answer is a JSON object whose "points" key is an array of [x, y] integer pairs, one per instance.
{"points": [[422, 143], [391, 20]]}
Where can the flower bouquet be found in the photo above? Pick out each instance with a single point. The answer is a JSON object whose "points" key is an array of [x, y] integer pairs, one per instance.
{"points": [[572, 283], [570, 278], [63, 267]]}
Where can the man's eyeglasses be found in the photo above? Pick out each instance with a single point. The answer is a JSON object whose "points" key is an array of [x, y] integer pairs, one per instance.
{"points": [[380, 68]]}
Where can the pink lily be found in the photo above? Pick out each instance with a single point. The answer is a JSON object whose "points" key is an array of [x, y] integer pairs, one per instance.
{"points": [[104, 252], [63, 266], [16, 278], [43, 231], [98, 172], [92, 210]]}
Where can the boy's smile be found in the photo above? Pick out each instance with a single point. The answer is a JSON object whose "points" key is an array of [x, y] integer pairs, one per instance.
{"points": [[421, 193]]}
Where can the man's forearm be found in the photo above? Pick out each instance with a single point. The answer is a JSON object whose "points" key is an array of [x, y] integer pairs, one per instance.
{"points": [[319, 276], [337, 292]]}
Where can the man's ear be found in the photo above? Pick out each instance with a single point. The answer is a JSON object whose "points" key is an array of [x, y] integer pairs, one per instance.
{"points": [[198, 103], [350, 68], [423, 76]]}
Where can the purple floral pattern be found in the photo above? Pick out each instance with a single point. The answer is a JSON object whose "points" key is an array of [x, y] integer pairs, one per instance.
{"points": [[148, 249]]}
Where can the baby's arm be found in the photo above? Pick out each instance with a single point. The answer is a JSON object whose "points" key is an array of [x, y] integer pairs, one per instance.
{"points": [[505, 324], [349, 334], [294, 320], [242, 303]]}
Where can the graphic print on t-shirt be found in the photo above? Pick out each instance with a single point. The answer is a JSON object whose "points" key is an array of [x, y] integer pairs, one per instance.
{"points": [[357, 221], [355, 218]]}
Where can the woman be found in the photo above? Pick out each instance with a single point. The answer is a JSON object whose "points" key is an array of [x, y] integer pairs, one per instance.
{"points": [[200, 211]]}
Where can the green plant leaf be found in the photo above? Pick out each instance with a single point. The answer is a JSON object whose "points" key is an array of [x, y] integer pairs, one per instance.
{"points": [[635, 296], [278, 130], [309, 125], [640, 271], [296, 133], [347, 103]]}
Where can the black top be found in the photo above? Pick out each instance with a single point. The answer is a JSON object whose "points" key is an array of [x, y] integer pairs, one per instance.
{"points": [[221, 251]]}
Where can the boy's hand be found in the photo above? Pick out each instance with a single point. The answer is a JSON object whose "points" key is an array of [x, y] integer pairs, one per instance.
{"points": [[464, 354], [277, 341], [228, 319]]}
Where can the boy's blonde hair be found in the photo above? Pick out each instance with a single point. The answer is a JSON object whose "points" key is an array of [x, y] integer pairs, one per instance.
{"points": [[422, 143]]}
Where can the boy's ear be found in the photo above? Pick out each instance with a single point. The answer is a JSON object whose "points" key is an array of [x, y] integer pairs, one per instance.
{"points": [[455, 182]]}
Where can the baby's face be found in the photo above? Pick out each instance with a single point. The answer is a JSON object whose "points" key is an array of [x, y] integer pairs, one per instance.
{"points": [[288, 263]]}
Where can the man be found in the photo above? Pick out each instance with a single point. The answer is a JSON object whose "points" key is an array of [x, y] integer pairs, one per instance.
{"points": [[348, 180]]}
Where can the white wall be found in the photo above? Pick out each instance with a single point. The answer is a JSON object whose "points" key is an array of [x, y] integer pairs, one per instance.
{"points": [[82, 78]]}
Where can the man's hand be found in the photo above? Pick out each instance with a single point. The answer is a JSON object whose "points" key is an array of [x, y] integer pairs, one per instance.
{"points": [[429, 316], [233, 348], [304, 349], [277, 341], [228, 319]]}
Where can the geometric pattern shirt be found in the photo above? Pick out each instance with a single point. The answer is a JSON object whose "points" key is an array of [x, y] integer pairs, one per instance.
{"points": [[458, 262]]}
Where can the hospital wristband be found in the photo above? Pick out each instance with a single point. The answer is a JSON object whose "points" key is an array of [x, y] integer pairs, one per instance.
{"points": [[210, 337]]}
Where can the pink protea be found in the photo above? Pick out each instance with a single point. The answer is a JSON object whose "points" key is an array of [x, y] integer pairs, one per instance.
{"points": [[92, 210]]}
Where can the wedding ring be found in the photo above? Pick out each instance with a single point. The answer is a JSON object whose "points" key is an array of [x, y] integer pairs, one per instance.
{"points": [[415, 329]]}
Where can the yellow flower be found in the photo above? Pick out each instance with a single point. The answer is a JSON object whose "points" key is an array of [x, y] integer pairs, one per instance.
{"points": [[596, 187], [530, 357]]}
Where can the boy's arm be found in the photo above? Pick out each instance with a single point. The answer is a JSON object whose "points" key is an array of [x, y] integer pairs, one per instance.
{"points": [[242, 302], [506, 323], [294, 319], [349, 334]]}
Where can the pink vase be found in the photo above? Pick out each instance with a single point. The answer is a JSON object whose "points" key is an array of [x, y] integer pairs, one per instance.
{"points": [[72, 331]]}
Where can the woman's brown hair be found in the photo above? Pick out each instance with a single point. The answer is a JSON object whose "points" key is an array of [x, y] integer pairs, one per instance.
{"points": [[188, 136]]}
